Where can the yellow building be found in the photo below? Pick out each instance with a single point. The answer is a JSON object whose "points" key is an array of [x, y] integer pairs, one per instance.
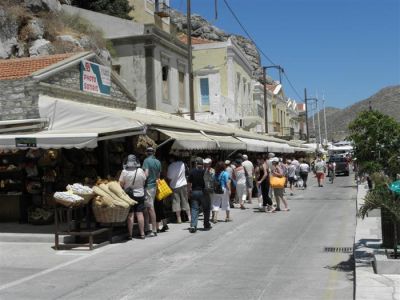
{"points": [[151, 12]]}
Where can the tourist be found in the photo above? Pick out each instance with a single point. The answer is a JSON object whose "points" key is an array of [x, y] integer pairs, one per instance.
{"points": [[291, 171], [152, 170], [320, 169], [304, 169], [196, 187], [239, 175], [257, 176], [249, 167], [132, 180], [222, 191], [177, 180], [209, 174], [263, 182], [278, 192]]}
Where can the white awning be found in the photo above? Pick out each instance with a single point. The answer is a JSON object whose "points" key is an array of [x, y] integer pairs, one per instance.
{"points": [[255, 145], [74, 125], [279, 147], [186, 140], [227, 142]]}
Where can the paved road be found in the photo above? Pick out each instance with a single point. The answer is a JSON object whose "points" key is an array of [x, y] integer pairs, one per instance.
{"points": [[257, 256]]}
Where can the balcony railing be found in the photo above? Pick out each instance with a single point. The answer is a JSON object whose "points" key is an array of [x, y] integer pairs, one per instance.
{"points": [[161, 9]]}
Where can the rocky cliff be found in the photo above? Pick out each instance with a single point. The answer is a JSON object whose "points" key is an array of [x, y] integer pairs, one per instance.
{"points": [[38, 27], [203, 29]]}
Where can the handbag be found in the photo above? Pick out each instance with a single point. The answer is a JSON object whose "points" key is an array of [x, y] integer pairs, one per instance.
{"points": [[163, 190], [277, 182], [217, 185], [129, 189]]}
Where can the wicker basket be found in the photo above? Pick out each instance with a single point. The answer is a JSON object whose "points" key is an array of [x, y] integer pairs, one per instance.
{"points": [[116, 214]]}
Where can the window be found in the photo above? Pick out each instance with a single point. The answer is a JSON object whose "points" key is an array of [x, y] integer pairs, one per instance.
{"points": [[116, 69], [165, 84], [181, 89], [204, 91]]}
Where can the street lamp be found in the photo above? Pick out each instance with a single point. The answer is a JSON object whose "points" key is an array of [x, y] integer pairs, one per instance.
{"points": [[265, 91]]}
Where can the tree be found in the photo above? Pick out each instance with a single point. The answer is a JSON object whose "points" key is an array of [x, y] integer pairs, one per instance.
{"points": [[116, 8], [376, 138]]}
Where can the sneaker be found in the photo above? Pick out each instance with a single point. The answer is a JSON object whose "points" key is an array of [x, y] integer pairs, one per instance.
{"points": [[164, 228], [291, 194], [192, 229], [151, 234], [207, 228]]}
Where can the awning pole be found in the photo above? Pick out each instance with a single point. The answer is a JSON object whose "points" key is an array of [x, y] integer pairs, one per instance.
{"points": [[166, 141], [229, 155]]}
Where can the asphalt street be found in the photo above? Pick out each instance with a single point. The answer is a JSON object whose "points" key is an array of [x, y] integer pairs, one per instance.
{"points": [[257, 256]]}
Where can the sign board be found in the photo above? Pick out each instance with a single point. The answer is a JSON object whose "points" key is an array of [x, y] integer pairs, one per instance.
{"points": [[25, 142], [95, 78]]}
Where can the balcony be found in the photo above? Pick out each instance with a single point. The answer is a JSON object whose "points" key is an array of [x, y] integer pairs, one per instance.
{"points": [[161, 9], [251, 114]]}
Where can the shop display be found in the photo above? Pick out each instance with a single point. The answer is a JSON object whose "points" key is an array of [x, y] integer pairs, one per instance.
{"points": [[40, 216], [68, 199]]}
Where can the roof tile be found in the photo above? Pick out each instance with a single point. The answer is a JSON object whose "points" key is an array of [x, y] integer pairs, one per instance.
{"points": [[23, 67]]}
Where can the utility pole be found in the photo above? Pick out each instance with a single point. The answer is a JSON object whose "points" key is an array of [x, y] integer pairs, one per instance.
{"points": [[265, 99], [305, 101], [190, 59], [326, 130], [319, 124]]}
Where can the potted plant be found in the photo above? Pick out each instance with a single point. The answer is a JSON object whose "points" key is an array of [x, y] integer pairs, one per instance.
{"points": [[389, 202]]}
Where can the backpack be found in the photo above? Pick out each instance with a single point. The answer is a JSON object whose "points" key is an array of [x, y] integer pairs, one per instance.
{"points": [[217, 185]]}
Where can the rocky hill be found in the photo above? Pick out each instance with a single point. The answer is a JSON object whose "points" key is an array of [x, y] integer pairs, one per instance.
{"points": [[386, 101], [37, 27]]}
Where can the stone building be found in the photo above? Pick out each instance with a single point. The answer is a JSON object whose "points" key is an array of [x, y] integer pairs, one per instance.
{"points": [[152, 63]]}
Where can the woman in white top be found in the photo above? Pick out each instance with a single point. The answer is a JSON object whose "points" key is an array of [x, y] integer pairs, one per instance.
{"points": [[239, 175], [132, 180]]}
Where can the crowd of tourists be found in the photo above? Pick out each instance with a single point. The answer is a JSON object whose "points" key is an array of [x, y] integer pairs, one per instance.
{"points": [[209, 187]]}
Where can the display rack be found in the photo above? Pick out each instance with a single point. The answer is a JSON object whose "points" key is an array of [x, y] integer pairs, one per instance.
{"points": [[79, 225]]}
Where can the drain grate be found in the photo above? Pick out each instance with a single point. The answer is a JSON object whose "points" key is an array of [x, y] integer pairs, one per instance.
{"points": [[339, 249]]}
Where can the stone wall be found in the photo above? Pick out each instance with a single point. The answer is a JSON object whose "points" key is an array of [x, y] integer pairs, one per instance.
{"points": [[18, 100]]}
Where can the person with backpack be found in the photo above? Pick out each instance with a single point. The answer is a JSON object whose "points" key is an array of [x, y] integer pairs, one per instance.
{"points": [[222, 191]]}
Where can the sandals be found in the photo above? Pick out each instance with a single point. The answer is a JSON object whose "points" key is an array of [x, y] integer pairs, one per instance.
{"points": [[142, 237]]}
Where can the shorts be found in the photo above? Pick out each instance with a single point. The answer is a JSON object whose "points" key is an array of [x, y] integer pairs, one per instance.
{"points": [[139, 207], [150, 197], [180, 199], [278, 193], [291, 180], [320, 175], [249, 183]]}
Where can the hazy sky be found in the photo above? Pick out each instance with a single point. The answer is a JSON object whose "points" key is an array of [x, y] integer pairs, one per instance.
{"points": [[344, 49]]}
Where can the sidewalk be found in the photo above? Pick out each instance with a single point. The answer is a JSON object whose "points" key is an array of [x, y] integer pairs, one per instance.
{"points": [[369, 285]]}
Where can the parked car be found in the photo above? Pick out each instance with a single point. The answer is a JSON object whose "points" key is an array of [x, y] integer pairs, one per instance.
{"points": [[342, 165]]}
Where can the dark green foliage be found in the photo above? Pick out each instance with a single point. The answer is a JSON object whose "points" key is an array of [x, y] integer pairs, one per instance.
{"points": [[376, 138], [116, 8]]}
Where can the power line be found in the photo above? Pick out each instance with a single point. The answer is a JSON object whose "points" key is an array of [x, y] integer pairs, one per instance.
{"points": [[258, 48]]}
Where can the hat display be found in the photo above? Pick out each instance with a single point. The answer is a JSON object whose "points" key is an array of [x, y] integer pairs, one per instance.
{"points": [[207, 161], [199, 161]]}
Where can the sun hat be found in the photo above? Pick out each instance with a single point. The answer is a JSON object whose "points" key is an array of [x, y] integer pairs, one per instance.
{"points": [[271, 155], [132, 162], [227, 162], [275, 159], [207, 161], [245, 157], [150, 149]]}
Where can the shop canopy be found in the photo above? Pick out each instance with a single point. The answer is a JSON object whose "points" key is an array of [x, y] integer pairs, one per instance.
{"points": [[73, 125], [226, 142], [279, 147], [255, 145], [186, 140]]}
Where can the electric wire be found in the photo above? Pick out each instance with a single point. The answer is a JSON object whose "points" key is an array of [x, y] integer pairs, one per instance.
{"points": [[258, 48]]}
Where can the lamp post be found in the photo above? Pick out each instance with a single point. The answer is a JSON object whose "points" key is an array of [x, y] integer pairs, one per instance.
{"points": [[265, 91]]}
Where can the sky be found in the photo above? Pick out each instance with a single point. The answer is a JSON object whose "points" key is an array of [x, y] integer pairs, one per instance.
{"points": [[342, 50]]}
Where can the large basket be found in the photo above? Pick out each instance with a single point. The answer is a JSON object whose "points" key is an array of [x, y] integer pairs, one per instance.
{"points": [[116, 214]]}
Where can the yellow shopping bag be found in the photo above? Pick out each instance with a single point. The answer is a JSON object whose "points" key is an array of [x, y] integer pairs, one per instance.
{"points": [[277, 182], [163, 190]]}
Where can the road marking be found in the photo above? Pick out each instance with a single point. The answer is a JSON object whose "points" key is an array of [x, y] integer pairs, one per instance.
{"points": [[47, 271]]}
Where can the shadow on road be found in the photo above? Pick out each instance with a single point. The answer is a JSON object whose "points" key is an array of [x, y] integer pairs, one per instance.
{"points": [[346, 266]]}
